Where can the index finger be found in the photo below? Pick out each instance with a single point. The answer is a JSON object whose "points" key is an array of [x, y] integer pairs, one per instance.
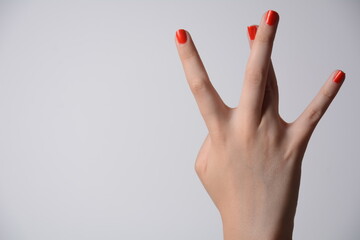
{"points": [[211, 106]]}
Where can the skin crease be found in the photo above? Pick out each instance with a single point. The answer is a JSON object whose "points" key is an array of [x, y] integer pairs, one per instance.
{"points": [[250, 162]]}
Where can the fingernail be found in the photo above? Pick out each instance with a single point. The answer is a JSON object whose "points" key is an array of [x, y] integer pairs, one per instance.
{"points": [[339, 77], [181, 36], [272, 17], [252, 31]]}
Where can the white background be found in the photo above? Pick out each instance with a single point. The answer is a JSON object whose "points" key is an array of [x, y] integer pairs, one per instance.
{"points": [[99, 130]]}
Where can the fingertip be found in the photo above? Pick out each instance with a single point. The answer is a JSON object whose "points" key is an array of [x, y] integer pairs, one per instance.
{"points": [[272, 17], [252, 31], [339, 76], [181, 36]]}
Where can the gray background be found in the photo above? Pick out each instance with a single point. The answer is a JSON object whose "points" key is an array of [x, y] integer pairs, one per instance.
{"points": [[99, 130]]}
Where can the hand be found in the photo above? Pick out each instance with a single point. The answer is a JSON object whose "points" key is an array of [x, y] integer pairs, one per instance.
{"points": [[250, 162]]}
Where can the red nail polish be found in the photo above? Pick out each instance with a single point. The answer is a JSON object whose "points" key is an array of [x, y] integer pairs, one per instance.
{"points": [[272, 17], [252, 31], [339, 77], [181, 36]]}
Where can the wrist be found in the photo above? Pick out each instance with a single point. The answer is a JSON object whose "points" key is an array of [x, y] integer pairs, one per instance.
{"points": [[235, 228]]}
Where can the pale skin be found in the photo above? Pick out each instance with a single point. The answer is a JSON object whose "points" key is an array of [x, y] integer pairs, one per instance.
{"points": [[250, 161]]}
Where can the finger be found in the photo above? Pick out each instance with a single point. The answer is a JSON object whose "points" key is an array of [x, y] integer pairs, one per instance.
{"points": [[271, 96], [307, 121], [257, 67], [210, 104]]}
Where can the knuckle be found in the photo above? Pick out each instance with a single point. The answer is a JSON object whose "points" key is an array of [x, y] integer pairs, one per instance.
{"points": [[262, 38], [265, 38], [187, 54], [327, 94], [314, 115], [254, 76], [198, 85]]}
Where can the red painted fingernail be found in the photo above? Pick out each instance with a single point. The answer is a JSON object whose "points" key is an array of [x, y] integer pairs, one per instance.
{"points": [[252, 31], [339, 77], [272, 17], [181, 36]]}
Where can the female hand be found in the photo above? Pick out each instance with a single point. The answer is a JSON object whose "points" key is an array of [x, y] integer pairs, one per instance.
{"points": [[250, 162]]}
